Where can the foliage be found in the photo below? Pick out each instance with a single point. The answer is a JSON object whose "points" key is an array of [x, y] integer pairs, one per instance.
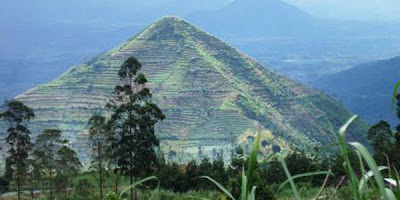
{"points": [[365, 187], [68, 165], [133, 121], [84, 191], [98, 133], [191, 173], [18, 140], [172, 178], [385, 143], [395, 94], [112, 196], [4, 185], [210, 70], [237, 161], [382, 139], [47, 145], [247, 188], [398, 116]]}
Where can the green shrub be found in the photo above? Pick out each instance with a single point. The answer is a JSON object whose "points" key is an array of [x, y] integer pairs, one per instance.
{"points": [[3, 185], [112, 196], [84, 190]]}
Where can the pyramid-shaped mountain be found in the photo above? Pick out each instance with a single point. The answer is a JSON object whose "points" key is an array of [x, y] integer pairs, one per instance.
{"points": [[211, 93]]}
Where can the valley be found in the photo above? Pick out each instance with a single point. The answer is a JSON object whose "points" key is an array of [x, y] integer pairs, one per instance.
{"points": [[199, 99]]}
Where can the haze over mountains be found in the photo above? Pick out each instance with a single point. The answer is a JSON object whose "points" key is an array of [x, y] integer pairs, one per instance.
{"points": [[212, 95], [43, 38], [366, 89], [361, 10], [255, 18]]}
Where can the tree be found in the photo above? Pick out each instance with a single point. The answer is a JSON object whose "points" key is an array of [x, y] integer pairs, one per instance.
{"points": [[397, 135], [3, 185], [84, 190], [237, 161], [133, 119], [18, 140], [191, 174], [33, 174], [46, 146], [205, 169], [98, 130], [111, 154], [398, 111], [172, 178], [381, 138], [68, 164], [219, 173]]}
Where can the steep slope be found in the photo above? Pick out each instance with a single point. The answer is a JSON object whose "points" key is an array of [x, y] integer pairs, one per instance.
{"points": [[365, 89], [68, 32], [211, 93]]}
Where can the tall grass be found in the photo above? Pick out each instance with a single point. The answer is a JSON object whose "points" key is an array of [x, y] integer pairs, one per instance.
{"points": [[371, 184], [365, 187], [248, 190]]}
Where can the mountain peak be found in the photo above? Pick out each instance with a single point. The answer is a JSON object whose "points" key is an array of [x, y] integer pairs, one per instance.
{"points": [[168, 27], [211, 93], [169, 18]]}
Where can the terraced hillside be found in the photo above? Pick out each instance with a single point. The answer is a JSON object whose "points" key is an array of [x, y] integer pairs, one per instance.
{"points": [[211, 93]]}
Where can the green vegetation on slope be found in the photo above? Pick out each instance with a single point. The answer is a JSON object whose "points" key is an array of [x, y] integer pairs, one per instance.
{"points": [[209, 91]]}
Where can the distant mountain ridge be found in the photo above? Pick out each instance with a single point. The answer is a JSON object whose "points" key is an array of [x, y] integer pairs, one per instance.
{"points": [[212, 94], [65, 33], [366, 89], [255, 18]]}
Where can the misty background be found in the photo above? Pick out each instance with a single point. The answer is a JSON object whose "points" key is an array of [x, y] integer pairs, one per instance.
{"points": [[307, 40]]}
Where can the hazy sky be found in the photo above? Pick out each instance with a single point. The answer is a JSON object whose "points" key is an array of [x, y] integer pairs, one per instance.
{"points": [[351, 9], [331, 9]]}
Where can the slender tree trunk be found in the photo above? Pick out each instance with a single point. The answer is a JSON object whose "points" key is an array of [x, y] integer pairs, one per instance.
{"points": [[136, 196], [100, 171], [130, 133], [18, 176], [116, 181], [51, 176], [65, 193], [65, 189], [131, 177], [51, 184], [31, 180], [19, 185]]}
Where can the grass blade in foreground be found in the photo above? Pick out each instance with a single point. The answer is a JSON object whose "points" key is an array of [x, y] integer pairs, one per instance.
{"points": [[373, 166], [345, 154], [252, 195], [304, 175], [290, 178], [138, 183], [252, 165], [244, 185], [367, 176], [247, 189], [221, 187]]}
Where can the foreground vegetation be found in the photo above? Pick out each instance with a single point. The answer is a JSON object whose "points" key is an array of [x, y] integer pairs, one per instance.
{"points": [[126, 165]]}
